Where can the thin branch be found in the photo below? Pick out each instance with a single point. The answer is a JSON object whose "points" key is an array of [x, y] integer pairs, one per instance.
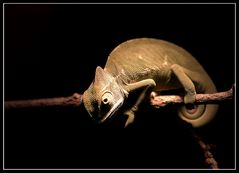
{"points": [[74, 100], [157, 101], [209, 159], [161, 101]]}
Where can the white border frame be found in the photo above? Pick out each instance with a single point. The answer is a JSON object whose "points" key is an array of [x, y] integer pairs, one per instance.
{"points": [[118, 4]]}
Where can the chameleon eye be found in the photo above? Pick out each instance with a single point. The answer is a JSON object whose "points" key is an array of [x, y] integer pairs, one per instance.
{"points": [[106, 98]]}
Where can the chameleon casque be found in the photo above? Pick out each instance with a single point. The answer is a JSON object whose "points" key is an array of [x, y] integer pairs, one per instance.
{"points": [[148, 64]]}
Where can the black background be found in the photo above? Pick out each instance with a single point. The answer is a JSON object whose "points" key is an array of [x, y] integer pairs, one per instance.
{"points": [[52, 50]]}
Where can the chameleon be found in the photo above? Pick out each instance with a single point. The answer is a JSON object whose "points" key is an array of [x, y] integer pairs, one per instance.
{"points": [[149, 65]]}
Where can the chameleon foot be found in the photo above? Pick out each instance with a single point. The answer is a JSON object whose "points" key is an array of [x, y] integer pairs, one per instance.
{"points": [[153, 94], [190, 98], [130, 118]]}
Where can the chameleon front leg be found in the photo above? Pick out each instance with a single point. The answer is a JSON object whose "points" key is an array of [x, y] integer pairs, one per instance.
{"points": [[147, 84]]}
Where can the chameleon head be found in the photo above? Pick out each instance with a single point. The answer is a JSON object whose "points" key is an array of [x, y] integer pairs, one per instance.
{"points": [[104, 96]]}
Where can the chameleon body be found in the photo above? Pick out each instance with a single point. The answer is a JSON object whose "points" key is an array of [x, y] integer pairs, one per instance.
{"points": [[148, 64]]}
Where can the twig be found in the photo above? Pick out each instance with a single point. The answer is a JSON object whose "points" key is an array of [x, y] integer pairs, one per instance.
{"points": [[157, 101], [161, 101], [74, 100], [209, 159]]}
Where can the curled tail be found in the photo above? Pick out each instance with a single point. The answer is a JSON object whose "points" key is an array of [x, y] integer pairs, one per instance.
{"points": [[202, 114]]}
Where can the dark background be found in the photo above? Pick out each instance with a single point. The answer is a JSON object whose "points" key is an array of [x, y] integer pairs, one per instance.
{"points": [[53, 50]]}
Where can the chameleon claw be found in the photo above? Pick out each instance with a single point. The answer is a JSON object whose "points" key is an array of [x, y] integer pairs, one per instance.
{"points": [[189, 98], [153, 94], [130, 119]]}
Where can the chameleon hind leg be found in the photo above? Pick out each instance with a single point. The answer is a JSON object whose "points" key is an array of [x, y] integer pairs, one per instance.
{"points": [[186, 78], [183, 76], [147, 85]]}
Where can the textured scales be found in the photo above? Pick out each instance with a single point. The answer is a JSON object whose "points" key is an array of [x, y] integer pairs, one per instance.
{"points": [[144, 58], [138, 63]]}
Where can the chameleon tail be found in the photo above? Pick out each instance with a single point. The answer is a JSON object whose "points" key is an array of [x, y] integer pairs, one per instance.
{"points": [[202, 114]]}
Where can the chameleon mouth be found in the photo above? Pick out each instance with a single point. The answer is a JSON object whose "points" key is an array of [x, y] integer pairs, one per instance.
{"points": [[116, 107]]}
